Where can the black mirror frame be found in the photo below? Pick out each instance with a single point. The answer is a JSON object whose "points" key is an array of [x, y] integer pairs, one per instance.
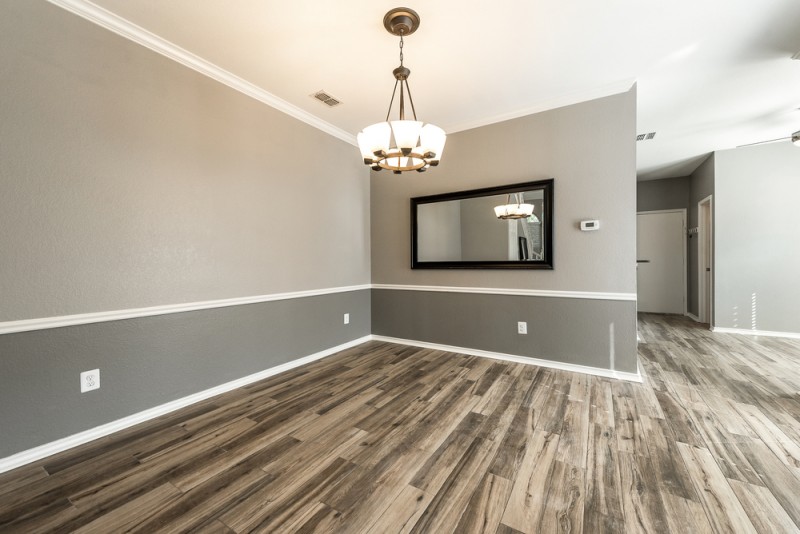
{"points": [[547, 227]]}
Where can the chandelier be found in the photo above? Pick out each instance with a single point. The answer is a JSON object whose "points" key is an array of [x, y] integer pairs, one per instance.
{"points": [[514, 210], [416, 146]]}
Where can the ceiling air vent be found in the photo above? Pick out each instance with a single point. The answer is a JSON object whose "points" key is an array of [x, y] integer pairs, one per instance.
{"points": [[645, 137], [326, 99]]}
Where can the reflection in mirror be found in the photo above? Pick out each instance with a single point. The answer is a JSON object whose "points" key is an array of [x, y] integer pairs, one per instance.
{"points": [[464, 230]]}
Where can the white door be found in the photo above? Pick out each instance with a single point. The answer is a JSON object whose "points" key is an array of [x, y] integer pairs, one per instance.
{"points": [[661, 270]]}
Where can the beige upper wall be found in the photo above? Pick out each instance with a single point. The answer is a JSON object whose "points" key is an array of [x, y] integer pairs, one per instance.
{"points": [[129, 180], [588, 148]]}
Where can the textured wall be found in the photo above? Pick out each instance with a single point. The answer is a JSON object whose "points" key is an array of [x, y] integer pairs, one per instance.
{"points": [[756, 250], [131, 181], [667, 194], [589, 149], [585, 147]]}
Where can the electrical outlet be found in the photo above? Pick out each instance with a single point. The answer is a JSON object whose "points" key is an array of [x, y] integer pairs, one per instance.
{"points": [[522, 327], [90, 380], [346, 318]]}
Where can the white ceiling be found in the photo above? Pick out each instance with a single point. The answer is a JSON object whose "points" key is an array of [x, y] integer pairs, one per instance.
{"points": [[711, 74]]}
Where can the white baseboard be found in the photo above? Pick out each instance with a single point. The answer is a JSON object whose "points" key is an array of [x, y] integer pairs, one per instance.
{"points": [[746, 332], [692, 316], [37, 453], [596, 371]]}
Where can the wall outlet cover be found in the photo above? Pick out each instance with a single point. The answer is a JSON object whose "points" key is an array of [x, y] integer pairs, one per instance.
{"points": [[522, 327], [90, 380], [346, 318]]}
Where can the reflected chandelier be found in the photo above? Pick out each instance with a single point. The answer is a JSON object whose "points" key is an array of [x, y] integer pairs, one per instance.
{"points": [[514, 210], [416, 147]]}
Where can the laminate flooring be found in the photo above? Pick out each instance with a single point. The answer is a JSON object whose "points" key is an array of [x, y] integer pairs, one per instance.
{"points": [[386, 438]]}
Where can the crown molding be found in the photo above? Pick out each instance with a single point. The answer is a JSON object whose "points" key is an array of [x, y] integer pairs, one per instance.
{"points": [[124, 28], [127, 29], [622, 86]]}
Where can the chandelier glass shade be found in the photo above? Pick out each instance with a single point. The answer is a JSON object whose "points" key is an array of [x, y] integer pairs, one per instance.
{"points": [[401, 145], [514, 210]]}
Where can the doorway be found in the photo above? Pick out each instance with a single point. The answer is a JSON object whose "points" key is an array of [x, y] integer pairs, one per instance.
{"points": [[705, 259], [661, 261]]}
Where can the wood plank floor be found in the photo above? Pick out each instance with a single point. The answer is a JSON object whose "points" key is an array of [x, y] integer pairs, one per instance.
{"points": [[384, 438]]}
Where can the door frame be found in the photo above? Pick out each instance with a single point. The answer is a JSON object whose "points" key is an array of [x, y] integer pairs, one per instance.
{"points": [[684, 248], [705, 241]]}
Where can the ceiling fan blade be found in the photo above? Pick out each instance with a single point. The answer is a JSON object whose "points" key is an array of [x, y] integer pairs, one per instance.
{"points": [[765, 142]]}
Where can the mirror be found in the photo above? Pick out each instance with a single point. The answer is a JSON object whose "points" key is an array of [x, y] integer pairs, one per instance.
{"points": [[490, 228]]}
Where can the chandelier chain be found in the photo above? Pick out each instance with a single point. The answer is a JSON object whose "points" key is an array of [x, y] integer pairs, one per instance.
{"points": [[401, 49]]}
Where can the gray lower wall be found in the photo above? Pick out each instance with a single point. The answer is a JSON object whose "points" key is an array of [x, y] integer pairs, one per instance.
{"points": [[756, 247], [149, 361], [592, 333]]}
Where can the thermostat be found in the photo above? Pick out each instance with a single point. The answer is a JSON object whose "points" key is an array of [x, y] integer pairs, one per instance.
{"points": [[586, 226]]}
